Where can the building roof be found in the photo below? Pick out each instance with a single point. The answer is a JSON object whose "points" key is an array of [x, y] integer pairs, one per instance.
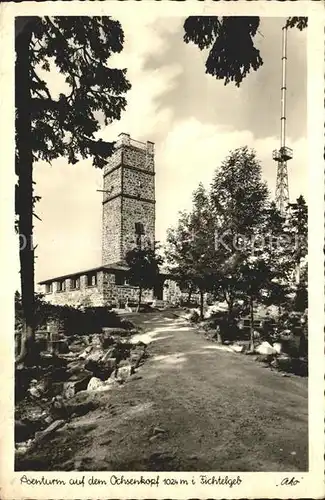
{"points": [[116, 266]]}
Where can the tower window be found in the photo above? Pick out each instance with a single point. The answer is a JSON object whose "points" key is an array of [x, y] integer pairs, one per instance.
{"points": [[139, 229], [91, 279]]}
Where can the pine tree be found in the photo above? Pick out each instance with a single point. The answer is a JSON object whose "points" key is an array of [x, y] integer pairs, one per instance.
{"points": [[230, 40], [49, 127]]}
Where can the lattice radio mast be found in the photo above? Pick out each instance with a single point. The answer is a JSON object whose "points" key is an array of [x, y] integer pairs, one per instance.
{"points": [[284, 154]]}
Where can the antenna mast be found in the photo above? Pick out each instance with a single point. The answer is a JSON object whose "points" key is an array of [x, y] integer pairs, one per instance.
{"points": [[284, 154]]}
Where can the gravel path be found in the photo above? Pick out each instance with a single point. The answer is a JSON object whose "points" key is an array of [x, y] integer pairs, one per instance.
{"points": [[190, 407]]}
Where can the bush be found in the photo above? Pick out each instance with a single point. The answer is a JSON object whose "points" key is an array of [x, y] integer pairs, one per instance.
{"points": [[194, 317], [71, 320], [226, 326]]}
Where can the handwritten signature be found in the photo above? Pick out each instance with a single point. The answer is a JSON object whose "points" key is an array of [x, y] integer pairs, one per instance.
{"points": [[289, 481]]}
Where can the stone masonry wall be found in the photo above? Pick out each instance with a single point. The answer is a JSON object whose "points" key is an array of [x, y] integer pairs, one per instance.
{"points": [[138, 183], [92, 295], [135, 157], [117, 294], [112, 184], [113, 161], [136, 211], [121, 214], [111, 231]]}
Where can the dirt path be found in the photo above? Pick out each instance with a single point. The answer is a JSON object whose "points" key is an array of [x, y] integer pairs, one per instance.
{"points": [[189, 407]]}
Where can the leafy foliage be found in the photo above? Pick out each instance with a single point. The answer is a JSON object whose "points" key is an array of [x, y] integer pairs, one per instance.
{"points": [[239, 199], [230, 41], [233, 242], [143, 268], [238, 193], [190, 247], [80, 48], [297, 22], [73, 320], [297, 229]]}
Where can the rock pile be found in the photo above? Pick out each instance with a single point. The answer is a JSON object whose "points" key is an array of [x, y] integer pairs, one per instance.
{"points": [[281, 356], [93, 363]]}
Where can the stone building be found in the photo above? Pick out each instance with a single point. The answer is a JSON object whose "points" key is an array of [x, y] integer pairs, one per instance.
{"points": [[128, 219]]}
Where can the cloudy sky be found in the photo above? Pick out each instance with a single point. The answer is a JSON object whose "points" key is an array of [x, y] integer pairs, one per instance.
{"points": [[194, 121]]}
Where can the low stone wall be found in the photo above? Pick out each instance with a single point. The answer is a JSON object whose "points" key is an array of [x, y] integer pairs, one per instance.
{"points": [[88, 297]]}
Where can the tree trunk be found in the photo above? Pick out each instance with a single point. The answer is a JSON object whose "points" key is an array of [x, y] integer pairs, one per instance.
{"points": [[297, 273], [201, 304], [230, 305], [24, 169], [189, 295], [251, 311], [140, 298], [230, 302]]}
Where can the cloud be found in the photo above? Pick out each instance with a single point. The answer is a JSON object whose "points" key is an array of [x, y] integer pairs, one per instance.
{"points": [[256, 104], [193, 150], [143, 116]]}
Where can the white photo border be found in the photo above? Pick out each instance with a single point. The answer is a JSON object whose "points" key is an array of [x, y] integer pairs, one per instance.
{"points": [[253, 484]]}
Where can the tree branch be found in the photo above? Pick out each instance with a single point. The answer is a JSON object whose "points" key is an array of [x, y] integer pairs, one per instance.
{"points": [[46, 90]]}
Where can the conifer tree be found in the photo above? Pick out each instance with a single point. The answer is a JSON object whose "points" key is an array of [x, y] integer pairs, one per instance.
{"points": [[230, 41], [48, 127]]}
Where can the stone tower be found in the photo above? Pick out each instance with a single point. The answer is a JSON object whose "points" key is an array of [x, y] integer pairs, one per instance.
{"points": [[128, 199]]}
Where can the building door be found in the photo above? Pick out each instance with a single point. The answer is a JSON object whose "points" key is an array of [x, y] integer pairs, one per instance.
{"points": [[159, 289]]}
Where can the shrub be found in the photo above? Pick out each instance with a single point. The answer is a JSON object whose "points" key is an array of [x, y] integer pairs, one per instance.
{"points": [[71, 320], [194, 317]]}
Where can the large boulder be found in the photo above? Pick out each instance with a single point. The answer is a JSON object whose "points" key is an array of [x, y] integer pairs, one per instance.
{"points": [[94, 384], [96, 340], [38, 388], [265, 348], [278, 347], [75, 367], [101, 369], [109, 354], [95, 354], [123, 373], [40, 436], [77, 382], [85, 352]]}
